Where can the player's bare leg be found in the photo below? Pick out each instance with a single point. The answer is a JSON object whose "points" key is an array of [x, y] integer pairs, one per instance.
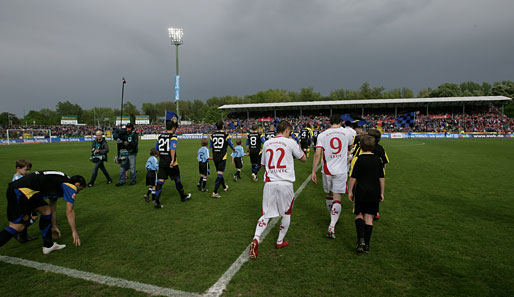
{"points": [[329, 200]]}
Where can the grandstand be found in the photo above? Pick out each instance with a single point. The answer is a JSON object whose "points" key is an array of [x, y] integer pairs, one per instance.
{"points": [[455, 104]]}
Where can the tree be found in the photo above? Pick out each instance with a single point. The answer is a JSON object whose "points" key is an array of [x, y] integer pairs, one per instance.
{"points": [[68, 108], [308, 94], [425, 93], [43, 117], [470, 88], [505, 88], [8, 119], [446, 90], [131, 110]]}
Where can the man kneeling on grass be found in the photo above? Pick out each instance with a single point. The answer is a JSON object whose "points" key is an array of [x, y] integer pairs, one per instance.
{"points": [[366, 189], [29, 193]]}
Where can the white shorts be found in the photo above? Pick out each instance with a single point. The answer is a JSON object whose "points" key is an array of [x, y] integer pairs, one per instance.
{"points": [[335, 183], [277, 199]]}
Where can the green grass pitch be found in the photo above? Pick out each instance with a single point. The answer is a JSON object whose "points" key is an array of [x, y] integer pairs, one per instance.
{"points": [[446, 229]]}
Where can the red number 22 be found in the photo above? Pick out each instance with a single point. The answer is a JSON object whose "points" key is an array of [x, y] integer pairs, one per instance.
{"points": [[280, 158]]}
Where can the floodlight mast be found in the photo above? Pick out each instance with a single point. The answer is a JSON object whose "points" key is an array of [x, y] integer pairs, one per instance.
{"points": [[176, 38]]}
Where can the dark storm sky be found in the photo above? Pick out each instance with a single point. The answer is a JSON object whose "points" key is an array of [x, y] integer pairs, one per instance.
{"points": [[53, 51]]}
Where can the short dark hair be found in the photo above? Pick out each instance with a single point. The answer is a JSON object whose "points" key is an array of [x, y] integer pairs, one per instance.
{"points": [[376, 134], [130, 125], [255, 127], [154, 152], [171, 124], [336, 119], [204, 141], [78, 179], [367, 143], [283, 125], [238, 142], [219, 125], [21, 163]]}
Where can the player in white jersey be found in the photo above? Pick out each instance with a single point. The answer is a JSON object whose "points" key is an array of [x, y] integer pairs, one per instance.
{"points": [[332, 147], [278, 155]]}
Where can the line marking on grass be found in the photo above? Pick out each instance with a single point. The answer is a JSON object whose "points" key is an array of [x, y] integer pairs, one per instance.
{"points": [[97, 278], [217, 289]]}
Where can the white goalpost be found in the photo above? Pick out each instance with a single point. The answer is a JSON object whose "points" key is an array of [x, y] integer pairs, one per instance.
{"points": [[28, 133]]}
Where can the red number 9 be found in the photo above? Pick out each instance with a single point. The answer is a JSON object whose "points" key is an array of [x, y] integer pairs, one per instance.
{"points": [[336, 144]]}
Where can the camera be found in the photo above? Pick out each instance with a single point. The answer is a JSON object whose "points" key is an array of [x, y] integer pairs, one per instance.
{"points": [[96, 159]]}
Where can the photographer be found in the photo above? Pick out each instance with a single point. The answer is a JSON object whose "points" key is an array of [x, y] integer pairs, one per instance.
{"points": [[128, 152], [99, 150]]}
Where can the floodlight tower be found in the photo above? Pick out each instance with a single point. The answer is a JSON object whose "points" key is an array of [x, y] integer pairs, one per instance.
{"points": [[176, 38]]}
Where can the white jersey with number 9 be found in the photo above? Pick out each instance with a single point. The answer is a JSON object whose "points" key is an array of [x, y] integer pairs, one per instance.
{"points": [[278, 155], [335, 142]]}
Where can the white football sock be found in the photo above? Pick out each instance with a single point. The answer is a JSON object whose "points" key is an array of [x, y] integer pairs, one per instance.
{"points": [[334, 214], [284, 226], [261, 226]]}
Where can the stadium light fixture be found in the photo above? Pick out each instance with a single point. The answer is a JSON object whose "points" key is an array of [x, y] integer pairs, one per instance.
{"points": [[176, 35], [176, 38]]}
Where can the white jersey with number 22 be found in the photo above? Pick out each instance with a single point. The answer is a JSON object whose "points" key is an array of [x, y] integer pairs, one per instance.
{"points": [[278, 155]]}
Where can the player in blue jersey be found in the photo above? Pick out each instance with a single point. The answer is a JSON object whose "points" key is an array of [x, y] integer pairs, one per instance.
{"points": [[168, 162], [29, 193], [254, 144], [220, 141]]}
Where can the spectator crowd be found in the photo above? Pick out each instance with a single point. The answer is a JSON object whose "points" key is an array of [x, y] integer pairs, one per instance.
{"points": [[489, 119]]}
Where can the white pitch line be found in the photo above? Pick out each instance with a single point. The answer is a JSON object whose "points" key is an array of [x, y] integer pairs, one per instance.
{"points": [[102, 279], [217, 289]]}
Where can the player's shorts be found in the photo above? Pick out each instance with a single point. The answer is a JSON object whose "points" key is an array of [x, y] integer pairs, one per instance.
{"points": [[366, 206], [151, 178], [238, 162], [335, 183], [277, 199], [255, 158], [202, 167], [19, 207], [220, 165], [304, 145], [171, 172]]}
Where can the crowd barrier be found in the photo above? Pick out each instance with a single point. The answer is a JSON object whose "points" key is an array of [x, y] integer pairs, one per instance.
{"points": [[200, 136]]}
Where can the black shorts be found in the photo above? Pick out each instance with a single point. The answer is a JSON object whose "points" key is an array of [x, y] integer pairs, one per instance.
{"points": [[151, 178], [369, 206], [304, 145], [220, 165], [255, 158], [202, 167], [164, 172], [238, 162], [19, 207]]}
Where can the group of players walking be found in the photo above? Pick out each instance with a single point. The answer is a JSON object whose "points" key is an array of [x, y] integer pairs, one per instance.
{"points": [[337, 147]]}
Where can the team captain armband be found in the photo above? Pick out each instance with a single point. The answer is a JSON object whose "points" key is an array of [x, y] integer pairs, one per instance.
{"points": [[68, 192]]}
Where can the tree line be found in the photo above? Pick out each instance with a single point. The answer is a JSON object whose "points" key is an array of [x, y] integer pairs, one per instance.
{"points": [[207, 112]]}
